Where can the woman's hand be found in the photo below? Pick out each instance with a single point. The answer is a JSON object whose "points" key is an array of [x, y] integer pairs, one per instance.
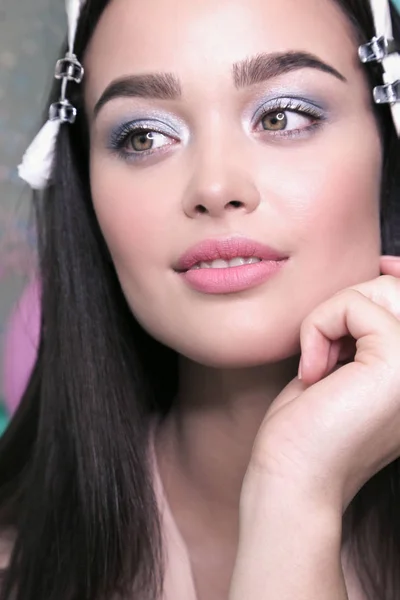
{"points": [[337, 425], [324, 436]]}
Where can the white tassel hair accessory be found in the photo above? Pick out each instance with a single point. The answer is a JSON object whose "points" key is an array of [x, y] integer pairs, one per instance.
{"points": [[37, 162], [383, 49]]}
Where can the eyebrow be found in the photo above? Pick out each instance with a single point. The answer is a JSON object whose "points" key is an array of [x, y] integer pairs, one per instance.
{"points": [[262, 67], [248, 72], [161, 86]]}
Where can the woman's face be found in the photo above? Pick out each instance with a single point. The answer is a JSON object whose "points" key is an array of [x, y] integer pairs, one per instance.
{"points": [[238, 119]]}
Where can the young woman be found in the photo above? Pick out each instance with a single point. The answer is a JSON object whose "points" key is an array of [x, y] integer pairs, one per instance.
{"points": [[217, 207]]}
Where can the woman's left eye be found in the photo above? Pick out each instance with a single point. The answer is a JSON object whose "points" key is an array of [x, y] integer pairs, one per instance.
{"points": [[288, 121]]}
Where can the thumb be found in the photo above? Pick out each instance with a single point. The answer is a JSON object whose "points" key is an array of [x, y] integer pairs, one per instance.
{"points": [[390, 265]]}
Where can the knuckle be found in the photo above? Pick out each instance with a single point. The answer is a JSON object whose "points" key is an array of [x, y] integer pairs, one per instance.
{"points": [[307, 323], [304, 327], [344, 293], [390, 280], [355, 294], [349, 294]]}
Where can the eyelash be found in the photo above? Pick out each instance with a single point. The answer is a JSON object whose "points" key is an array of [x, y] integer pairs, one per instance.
{"points": [[128, 130], [292, 105]]}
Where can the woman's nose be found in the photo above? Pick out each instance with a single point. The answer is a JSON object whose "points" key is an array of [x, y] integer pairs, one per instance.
{"points": [[220, 184]]}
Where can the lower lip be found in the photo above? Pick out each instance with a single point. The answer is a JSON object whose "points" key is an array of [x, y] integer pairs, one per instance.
{"points": [[232, 279]]}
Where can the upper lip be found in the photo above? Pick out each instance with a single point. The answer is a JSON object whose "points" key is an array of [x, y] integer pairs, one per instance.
{"points": [[226, 249]]}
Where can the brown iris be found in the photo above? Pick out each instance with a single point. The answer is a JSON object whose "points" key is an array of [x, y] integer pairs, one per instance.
{"points": [[142, 141], [274, 121]]}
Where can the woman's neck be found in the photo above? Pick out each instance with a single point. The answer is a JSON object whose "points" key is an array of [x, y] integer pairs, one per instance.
{"points": [[208, 436]]}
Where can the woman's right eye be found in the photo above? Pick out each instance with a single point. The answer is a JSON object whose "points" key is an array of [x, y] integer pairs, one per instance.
{"points": [[139, 142], [146, 140]]}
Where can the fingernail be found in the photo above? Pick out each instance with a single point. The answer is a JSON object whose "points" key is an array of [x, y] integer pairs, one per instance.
{"points": [[300, 373], [390, 257]]}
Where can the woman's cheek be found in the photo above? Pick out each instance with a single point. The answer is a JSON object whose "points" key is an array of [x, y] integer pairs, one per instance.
{"points": [[129, 216], [336, 184], [342, 223]]}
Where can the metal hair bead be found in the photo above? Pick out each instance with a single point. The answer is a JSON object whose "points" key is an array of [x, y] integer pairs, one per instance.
{"points": [[387, 94], [69, 68], [62, 111], [377, 49]]}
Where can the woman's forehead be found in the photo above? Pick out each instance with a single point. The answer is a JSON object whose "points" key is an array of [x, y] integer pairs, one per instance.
{"points": [[206, 36]]}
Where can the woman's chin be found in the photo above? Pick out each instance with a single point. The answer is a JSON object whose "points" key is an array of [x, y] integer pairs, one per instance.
{"points": [[248, 354]]}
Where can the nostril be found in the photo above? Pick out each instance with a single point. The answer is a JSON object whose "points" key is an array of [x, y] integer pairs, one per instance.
{"points": [[235, 204], [202, 209]]}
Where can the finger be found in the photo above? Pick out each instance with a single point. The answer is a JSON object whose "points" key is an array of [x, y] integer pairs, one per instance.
{"points": [[348, 313], [333, 355], [384, 290], [390, 265]]}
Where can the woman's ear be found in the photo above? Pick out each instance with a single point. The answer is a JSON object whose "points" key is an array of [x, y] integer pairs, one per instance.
{"points": [[390, 265]]}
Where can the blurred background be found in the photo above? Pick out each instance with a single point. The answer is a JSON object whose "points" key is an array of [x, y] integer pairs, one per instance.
{"points": [[31, 32]]}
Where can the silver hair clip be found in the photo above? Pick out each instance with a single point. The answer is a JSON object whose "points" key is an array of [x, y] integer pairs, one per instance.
{"points": [[384, 50], [377, 49], [387, 94], [37, 162], [67, 69]]}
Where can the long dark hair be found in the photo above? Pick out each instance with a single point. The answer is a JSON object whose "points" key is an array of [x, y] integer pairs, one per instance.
{"points": [[75, 478]]}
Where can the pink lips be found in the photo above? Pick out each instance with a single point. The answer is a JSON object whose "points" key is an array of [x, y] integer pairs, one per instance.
{"points": [[230, 279]]}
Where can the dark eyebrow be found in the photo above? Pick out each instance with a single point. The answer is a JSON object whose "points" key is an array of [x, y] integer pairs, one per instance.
{"points": [[259, 68], [162, 86], [266, 66]]}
